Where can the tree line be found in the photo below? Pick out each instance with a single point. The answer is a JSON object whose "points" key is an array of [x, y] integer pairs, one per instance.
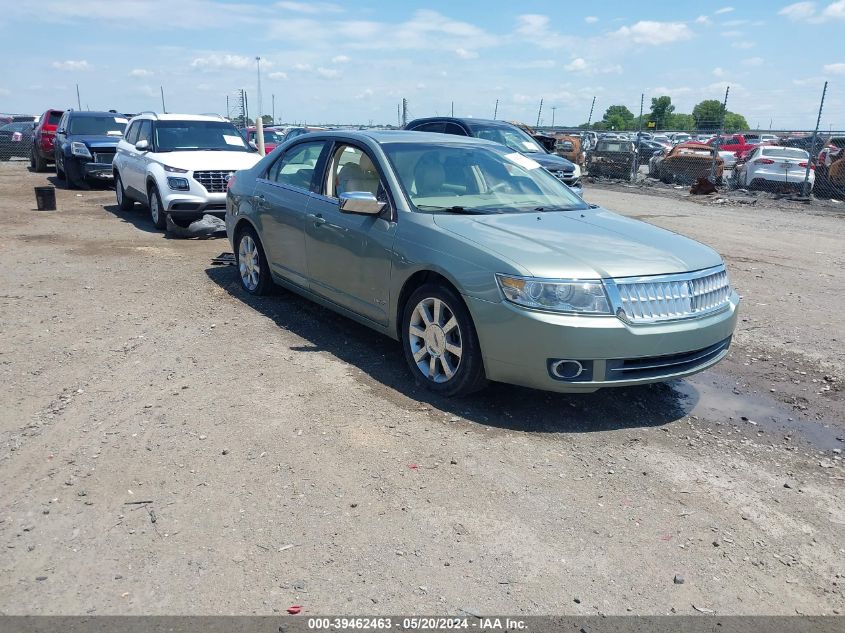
{"points": [[707, 115]]}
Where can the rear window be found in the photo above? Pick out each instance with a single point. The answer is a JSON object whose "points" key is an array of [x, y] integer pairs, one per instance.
{"points": [[54, 117], [614, 147], [784, 152]]}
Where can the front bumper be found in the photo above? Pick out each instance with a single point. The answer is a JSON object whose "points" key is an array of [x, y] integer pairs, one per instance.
{"points": [[193, 203], [97, 171], [518, 346]]}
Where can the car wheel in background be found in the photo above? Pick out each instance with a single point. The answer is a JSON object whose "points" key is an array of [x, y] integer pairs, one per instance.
{"points": [[440, 342], [36, 162], [60, 174], [253, 270], [157, 213], [123, 202]]}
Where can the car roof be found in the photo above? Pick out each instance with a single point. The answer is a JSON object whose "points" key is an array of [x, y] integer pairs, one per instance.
{"points": [[466, 121], [178, 117], [93, 113], [387, 137]]}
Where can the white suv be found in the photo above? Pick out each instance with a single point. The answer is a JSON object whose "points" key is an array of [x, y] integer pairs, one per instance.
{"points": [[178, 164]]}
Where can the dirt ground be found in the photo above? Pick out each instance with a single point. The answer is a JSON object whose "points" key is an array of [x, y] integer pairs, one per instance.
{"points": [[287, 456]]}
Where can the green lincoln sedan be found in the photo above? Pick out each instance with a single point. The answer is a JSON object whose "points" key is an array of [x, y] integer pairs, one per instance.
{"points": [[479, 261]]}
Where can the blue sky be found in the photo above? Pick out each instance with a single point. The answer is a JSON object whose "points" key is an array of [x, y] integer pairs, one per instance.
{"points": [[351, 62]]}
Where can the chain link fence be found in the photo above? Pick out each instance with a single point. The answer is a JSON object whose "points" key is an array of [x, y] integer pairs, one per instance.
{"points": [[715, 150]]}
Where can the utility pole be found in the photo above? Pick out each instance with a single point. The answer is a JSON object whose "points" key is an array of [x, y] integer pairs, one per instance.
{"points": [[398, 115], [163, 109], [404, 112], [539, 113], [813, 153], [259, 119], [78, 100], [639, 138], [274, 109], [590, 118], [227, 108], [719, 136], [553, 116], [496, 110], [453, 109]]}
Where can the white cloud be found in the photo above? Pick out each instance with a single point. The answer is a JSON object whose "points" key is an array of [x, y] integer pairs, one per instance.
{"points": [[799, 11], [753, 61], [835, 69], [328, 73], [535, 63], [724, 10], [71, 64], [743, 45], [655, 33], [703, 19], [310, 7], [140, 72], [217, 60], [465, 54], [5, 92], [532, 24], [835, 10], [302, 67], [581, 65], [719, 72], [591, 19], [732, 34], [278, 75], [340, 59]]}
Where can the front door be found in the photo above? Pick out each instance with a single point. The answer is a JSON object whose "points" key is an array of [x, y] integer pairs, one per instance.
{"points": [[349, 255], [281, 198]]}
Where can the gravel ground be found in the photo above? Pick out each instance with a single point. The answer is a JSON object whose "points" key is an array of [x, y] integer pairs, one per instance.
{"points": [[284, 455]]}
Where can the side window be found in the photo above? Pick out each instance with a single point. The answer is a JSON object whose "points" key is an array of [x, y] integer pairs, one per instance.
{"points": [[296, 166], [132, 132], [454, 128], [63, 123], [352, 169], [145, 131], [434, 126]]}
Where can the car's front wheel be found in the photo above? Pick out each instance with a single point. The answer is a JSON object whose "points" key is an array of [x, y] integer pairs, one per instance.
{"points": [[440, 342], [253, 270], [157, 214]]}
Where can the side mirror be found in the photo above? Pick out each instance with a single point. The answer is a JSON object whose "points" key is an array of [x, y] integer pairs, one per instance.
{"points": [[142, 146], [253, 145], [361, 202]]}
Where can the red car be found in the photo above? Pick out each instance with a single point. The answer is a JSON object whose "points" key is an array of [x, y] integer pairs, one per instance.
{"points": [[272, 137], [733, 147], [42, 140]]}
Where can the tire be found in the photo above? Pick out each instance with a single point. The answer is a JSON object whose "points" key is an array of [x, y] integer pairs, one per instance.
{"points": [[36, 162], [251, 263], [60, 174], [440, 343], [123, 202], [157, 213]]}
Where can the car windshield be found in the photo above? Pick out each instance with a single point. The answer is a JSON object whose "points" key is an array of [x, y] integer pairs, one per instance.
{"points": [[105, 125], [175, 136], [508, 136], [621, 146], [270, 136], [476, 179], [16, 127]]}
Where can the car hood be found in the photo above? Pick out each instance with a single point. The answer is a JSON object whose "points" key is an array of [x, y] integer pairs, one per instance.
{"points": [[552, 162], [96, 141], [204, 160], [581, 244]]}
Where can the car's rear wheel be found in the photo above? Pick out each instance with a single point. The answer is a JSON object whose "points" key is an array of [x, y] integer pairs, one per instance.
{"points": [[157, 214], [123, 202], [253, 270], [440, 342], [36, 162]]}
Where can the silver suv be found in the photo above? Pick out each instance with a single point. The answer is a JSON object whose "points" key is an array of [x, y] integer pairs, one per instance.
{"points": [[178, 164]]}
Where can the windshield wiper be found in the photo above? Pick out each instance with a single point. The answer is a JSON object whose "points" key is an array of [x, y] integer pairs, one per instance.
{"points": [[556, 209], [455, 209]]}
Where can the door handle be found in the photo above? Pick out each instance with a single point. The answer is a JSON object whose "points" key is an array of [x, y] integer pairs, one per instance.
{"points": [[318, 219]]}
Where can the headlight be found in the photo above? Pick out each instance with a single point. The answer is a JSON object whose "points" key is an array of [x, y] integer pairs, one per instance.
{"points": [[179, 184], [577, 172], [579, 297], [79, 149], [175, 170]]}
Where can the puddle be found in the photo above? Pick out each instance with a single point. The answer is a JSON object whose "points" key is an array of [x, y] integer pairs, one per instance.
{"points": [[711, 396]]}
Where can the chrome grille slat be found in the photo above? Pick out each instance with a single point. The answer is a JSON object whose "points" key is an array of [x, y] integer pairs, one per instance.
{"points": [[673, 296], [214, 181]]}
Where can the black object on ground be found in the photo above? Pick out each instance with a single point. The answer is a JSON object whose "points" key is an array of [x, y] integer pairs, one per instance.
{"points": [[224, 258], [206, 226], [45, 198]]}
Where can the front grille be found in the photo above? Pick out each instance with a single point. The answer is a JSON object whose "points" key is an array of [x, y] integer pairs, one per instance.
{"points": [[567, 177], [673, 296], [213, 181], [103, 156], [656, 366]]}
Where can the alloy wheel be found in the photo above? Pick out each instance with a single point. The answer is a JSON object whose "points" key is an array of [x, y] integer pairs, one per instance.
{"points": [[249, 263], [154, 210], [434, 335]]}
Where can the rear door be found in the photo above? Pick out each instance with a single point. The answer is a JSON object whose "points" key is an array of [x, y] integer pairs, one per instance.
{"points": [[281, 199]]}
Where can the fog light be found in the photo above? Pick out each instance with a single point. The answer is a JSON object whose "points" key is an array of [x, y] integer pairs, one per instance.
{"points": [[570, 370], [179, 184]]}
